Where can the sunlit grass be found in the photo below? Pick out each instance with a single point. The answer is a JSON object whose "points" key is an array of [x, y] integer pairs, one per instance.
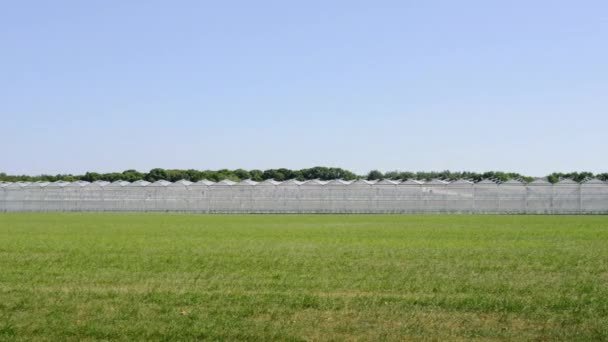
{"points": [[302, 277]]}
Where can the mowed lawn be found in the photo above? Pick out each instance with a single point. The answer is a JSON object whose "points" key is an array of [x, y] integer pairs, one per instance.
{"points": [[302, 277]]}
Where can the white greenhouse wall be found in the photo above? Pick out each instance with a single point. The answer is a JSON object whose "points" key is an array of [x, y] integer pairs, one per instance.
{"points": [[309, 197]]}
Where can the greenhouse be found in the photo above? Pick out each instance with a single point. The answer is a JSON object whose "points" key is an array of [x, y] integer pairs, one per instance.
{"points": [[313, 196]]}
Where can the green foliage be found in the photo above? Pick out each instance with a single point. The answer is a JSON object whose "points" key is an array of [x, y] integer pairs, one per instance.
{"points": [[281, 174], [242, 174], [156, 174], [576, 176], [256, 175], [375, 175], [131, 175]]}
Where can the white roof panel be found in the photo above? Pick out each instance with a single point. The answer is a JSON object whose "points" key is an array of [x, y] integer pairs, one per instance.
{"points": [[363, 182], [140, 183], [18, 185], [436, 182], [247, 182], [269, 182], [411, 182], [461, 182], [291, 182], [314, 182], [181, 182], [594, 181], [512, 182], [58, 184], [204, 182], [225, 182], [161, 182], [338, 182], [539, 182], [79, 183], [387, 182], [566, 181], [118, 183], [100, 183], [39, 184]]}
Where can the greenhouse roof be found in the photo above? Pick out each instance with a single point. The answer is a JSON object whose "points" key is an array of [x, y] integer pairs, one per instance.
{"points": [[290, 182], [18, 185], [314, 182], [594, 181], [225, 182], [182, 182], [487, 182], [39, 184], [512, 182], [411, 182], [119, 183], [58, 184], [161, 182], [387, 182], [140, 183], [205, 182], [100, 183], [78, 183], [436, 182], [269, 182], [539, 182], [362, 182], [338, 182], [461, 182]]}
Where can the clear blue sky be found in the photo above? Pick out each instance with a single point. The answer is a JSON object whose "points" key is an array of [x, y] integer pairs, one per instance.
{"points": [[409, 85]]}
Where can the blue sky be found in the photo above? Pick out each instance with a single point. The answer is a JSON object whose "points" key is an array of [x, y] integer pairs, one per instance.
{"points": [[409, 85]]}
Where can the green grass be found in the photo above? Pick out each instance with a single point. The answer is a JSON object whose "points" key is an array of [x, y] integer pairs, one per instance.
{"points": [[302, 277]]}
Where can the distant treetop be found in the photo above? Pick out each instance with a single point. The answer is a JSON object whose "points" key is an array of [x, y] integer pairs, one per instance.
{"points": [[319, 172]]}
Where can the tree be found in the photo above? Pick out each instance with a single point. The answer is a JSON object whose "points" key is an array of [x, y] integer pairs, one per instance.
{"points": [[91, 177], [193, 175], [242, 174], [156, 174], [375, 175], [273, 174], [317, 172], [257, 175], [132, 175], [175, 175]]}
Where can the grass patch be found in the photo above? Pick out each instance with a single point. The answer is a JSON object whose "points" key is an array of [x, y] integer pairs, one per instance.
{"points": [[302, 277]]}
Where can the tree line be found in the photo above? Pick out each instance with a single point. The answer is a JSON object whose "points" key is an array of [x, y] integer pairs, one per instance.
{"points": [[173, 175], [319, 172]]}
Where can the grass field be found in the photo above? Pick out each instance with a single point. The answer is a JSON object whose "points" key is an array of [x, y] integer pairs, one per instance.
{"points": [[300, 277]]}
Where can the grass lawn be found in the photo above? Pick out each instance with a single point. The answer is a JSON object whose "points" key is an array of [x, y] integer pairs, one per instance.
{"points": [[302, 277]]}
